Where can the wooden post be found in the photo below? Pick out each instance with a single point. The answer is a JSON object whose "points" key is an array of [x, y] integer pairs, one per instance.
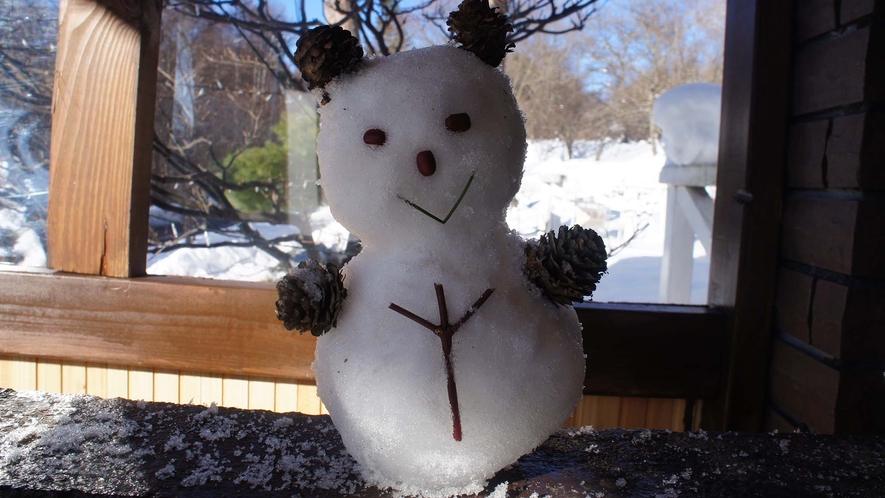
{"points": [[102, 129], [752, 151]]}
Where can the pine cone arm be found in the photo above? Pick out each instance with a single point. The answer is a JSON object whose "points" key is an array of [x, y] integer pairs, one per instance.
{"points": [[568, 266], [311, 296]]}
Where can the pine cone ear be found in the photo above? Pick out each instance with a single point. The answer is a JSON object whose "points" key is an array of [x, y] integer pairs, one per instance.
{"points": [[324, 53], [481, 30]]}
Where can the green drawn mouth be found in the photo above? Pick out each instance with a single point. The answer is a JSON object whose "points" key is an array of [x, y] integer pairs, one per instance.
{"points": [[451, 212]]}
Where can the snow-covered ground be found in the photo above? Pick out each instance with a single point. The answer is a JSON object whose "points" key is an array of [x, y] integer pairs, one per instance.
{"points": [[624, 184], [617, 196]]}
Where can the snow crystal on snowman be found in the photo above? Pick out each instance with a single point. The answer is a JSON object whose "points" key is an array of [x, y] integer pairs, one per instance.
{"points": [[448, 347]]}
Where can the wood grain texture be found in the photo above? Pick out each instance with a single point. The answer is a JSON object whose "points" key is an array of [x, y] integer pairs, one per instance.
{"points": [[634, 412], [73, 378], [308, 401], [154, 322], [285, 396], [97, 379], [652, 350], [118, 382], [48, 375], [282, 396], [18, 372], [752, 159], [261, 394], [230, 328], [190, 389], [166, 386], [141, 384], [102, 117], [235, 392], [211, 389]]}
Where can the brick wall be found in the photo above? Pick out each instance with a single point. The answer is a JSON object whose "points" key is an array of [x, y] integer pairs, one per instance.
{"points": [[828, 356]]}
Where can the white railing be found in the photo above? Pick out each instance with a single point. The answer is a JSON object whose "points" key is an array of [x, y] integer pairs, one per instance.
{"points": [[689, 218]]}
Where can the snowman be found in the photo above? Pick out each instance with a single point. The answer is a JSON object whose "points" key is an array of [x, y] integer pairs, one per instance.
{"points": [[448, 346]]}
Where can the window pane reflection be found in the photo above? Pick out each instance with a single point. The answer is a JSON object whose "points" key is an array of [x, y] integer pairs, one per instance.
{"points": [[28, 36], [234, 177]]}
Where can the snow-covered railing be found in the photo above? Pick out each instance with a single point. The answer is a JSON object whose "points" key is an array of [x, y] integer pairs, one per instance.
{"points": [[688, 116], [54, 445]]}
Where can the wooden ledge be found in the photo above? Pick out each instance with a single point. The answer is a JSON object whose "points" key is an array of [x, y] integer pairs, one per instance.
{"points": [[63, 445], [222, 327]]}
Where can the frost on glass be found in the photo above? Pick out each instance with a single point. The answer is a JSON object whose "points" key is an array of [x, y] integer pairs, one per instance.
{"points": [[28, 35], [234, 193]]}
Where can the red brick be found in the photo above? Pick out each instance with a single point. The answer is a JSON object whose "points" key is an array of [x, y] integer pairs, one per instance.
{"points": [[863, 326], [872, 174], [792, 300], [853, 10], [819, 232], [860, 406], [808, 145], [804, 387], [856, 152], [868, 257], [849, 323], [844, 150], [829, 312], [832, 73], [814, 17]]}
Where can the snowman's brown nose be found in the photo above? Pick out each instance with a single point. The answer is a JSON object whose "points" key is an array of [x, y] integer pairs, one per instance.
{"points": [[426, 163]]}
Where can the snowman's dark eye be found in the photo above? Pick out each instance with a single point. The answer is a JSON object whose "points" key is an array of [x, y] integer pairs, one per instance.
{"points": [[458, 122], [374, 137]]}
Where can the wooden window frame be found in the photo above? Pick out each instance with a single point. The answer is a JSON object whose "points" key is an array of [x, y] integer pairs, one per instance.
{"points": [[96, 303]]}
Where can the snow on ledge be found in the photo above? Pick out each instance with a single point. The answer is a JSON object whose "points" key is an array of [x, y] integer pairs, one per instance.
{"points": [[53, 444]]}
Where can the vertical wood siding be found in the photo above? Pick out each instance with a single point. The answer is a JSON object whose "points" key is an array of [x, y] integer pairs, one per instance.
{"points": [[109, 381]]}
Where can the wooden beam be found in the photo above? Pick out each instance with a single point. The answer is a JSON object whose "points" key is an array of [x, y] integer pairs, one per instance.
{"points": [[230, 328], [102, 128], [648, 350], [152, 322], [752, 152]]}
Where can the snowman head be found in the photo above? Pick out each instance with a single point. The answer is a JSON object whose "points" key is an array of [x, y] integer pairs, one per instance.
{"points": [[427, 144]]}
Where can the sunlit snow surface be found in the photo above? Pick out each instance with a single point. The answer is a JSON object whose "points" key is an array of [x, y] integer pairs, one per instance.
{"points": [[688, 116]]}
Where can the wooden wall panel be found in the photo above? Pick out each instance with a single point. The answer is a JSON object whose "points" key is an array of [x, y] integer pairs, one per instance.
{"points": [[141, 384], [261, 394], [22, 373], [102, 121], [166, 386], [118, 382], [235, 392], [19, 372], [48, 375], [285, 396], [73, 378], [97, 379]]}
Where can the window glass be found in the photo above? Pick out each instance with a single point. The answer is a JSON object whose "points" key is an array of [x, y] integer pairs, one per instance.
{"points": [[234, 192], [28, 36], [623, 121]]}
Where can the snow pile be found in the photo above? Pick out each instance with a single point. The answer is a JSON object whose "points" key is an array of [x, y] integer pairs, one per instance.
{"points": [[688, 116], [517, 360], [19, 244]]}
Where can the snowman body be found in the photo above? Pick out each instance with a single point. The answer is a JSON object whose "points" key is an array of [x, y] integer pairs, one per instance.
{"points": [[518, 360]]}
